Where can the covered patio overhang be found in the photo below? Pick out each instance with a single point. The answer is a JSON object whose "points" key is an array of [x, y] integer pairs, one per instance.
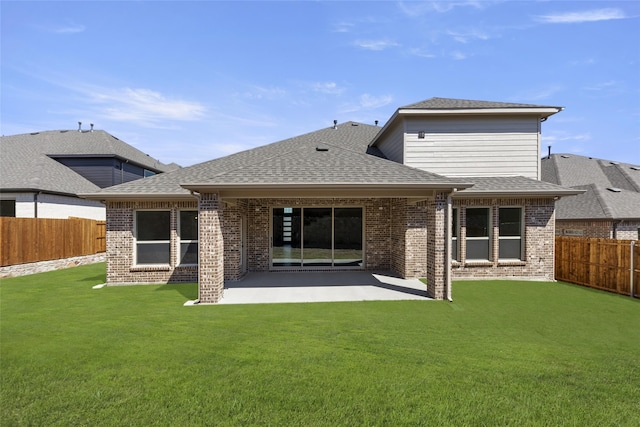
{"points": [[413, 214]]}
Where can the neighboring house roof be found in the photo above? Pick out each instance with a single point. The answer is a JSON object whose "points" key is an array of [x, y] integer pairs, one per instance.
{"points": [[27, 160], [333, 158], [612, 189]]}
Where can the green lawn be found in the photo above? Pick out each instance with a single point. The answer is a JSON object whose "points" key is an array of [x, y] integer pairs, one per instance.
{"points": [[503, 353]]}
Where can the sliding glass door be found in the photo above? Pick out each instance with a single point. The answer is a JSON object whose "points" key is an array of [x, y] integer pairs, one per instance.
{"points": [[317, 237]]}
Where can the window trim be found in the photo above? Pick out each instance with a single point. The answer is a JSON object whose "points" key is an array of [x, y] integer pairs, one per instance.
{"points": [[455, 234], [180, 240], [488, 238], [136, 241], [521, 237]]}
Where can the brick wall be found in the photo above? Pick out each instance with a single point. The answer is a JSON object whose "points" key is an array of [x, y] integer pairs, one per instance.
{"points": [[537, 258], [601, 229], [210, 240], [121, 266]]}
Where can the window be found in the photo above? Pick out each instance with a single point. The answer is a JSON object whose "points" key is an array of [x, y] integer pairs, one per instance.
{"points": [[8, 208], [153, 237], [188, 234], [454, 235], [478, 231], [147, 173], [510, 233]]}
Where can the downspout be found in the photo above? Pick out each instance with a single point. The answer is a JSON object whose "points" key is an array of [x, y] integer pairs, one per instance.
{"points": [[197, 196], [449, 236], [35, 204]]}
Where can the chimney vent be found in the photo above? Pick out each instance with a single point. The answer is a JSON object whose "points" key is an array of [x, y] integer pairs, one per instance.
{"points": [[549, 156], [376, 123], [91, 127], [79, 126], [335, 124]]}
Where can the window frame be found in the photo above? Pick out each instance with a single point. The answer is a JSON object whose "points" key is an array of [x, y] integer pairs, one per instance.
{"points": [[520, 237], [488, 238], [137, 241], [455, 234], [182, 241]]}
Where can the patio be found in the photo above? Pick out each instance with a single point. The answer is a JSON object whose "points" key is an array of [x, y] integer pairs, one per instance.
{"points": [[283, 287]]}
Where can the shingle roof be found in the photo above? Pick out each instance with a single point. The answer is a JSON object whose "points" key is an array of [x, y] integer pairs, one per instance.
{"points": [[27, 164], [612, 188], [344, 158], [454, 104], [507, 185]]}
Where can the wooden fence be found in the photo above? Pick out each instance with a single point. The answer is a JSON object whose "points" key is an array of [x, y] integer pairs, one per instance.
{"points": [[599, 263], [42, 239]]}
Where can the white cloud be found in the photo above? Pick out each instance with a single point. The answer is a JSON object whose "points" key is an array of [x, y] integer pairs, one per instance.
{"points": [[330, 88], [458, 56], [343, 27], [539, 94], [143, 106], [584, 16], [464, 37], [70, 29], [376, 45], [367, 102], [414, 9], [261, 92], [602, 86], [423, 53]]}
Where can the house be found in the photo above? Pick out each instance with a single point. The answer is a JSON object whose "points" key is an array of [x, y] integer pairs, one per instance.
{"points": [[350, 196], [42, 173], [610, 205]]}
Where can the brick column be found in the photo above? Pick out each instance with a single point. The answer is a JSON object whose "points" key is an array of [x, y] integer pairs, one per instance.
{"points": [[211, 245], [436, 247]]}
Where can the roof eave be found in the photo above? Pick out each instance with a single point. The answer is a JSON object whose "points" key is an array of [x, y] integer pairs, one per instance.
{"points": [[541, 111], [511, 193], [128, 197]]}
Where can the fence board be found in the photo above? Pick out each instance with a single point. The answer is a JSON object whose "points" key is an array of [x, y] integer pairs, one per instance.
{"points": [[41, 239], [598, 263]]}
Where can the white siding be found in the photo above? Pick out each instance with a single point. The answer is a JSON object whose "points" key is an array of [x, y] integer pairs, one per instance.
{"points": [[53, 206], [474, 146], [393, 144]]}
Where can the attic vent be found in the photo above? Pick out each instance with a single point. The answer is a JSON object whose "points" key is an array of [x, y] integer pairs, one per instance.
{"points": [[34, 133], [64, 131], [635, 168], [614, 163], [354, 124], [322, 148], [564, 156], [614, 189]]}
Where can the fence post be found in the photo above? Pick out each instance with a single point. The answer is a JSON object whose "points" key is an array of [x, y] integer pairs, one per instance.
{"points": [[633, 244]]}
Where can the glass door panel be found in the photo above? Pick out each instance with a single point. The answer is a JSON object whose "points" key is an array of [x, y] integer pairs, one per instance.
{"points": [[287, 251], [317, 245], [347, 237]]}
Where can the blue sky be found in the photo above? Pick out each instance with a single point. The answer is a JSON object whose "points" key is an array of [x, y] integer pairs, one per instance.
{"points": [[187, 82]]}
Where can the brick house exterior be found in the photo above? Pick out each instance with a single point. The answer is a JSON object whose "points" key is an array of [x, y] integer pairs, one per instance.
{"points": [[338, 202]]}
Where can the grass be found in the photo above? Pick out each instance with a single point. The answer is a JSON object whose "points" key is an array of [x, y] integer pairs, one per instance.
{"points": [[503, 353]]}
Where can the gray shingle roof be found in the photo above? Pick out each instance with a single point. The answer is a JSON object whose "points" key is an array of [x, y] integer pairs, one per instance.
{"points": [[291, 161], [596, 176], [507, 185], [455, 104], [27, 164]]}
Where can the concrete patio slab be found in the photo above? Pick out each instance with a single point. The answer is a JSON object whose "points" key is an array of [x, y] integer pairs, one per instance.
{"points": [[291, 287]]}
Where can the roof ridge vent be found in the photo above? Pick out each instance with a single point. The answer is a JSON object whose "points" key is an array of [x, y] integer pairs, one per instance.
{"points": [[614, 189], [322, 148], [635, 168], [564, 156]]}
